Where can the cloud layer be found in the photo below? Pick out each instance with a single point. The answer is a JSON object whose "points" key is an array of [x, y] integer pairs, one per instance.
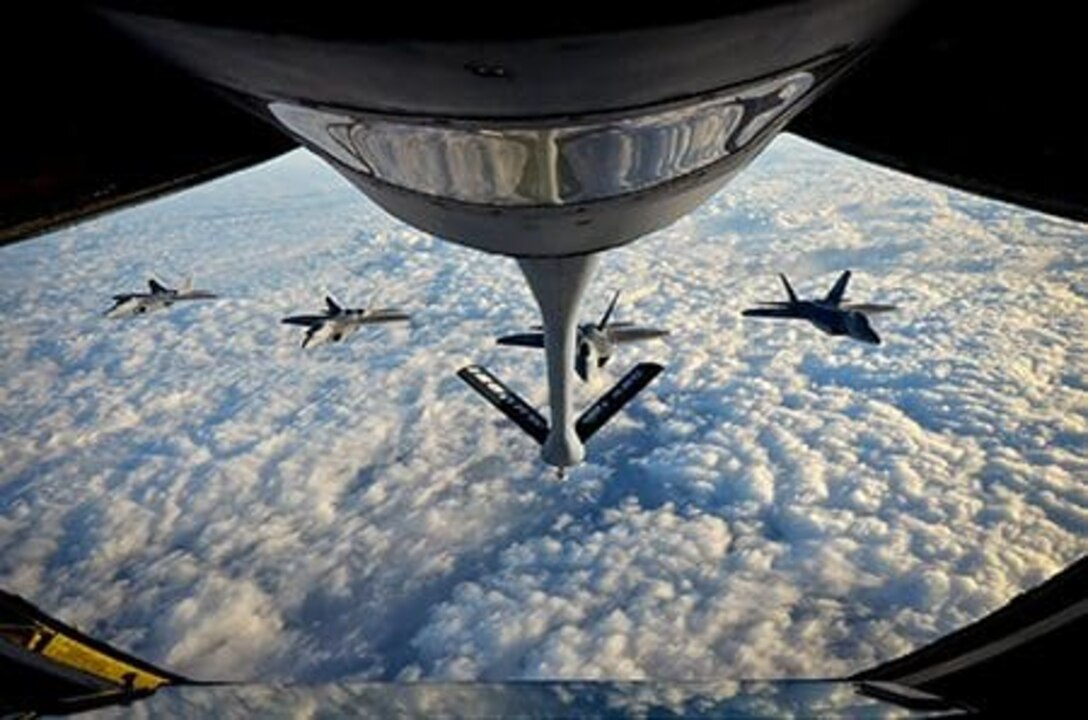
{"points": [[194, 487]]}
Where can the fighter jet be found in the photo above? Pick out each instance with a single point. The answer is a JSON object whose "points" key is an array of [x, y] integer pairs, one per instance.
{"points": [[160, 296], [336, 323], [596, 341], [831, 314]]}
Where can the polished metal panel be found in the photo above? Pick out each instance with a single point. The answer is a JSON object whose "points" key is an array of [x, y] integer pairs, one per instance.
{"points": [[560, 163]]}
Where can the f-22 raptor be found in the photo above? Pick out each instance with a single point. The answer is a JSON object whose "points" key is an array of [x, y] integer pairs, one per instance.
{"points": [[158, 297], [596, 341], [831, 314], [337, 322]]}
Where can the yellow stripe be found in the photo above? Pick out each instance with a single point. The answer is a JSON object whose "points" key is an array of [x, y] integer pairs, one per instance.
{"points": [[75, 654]]}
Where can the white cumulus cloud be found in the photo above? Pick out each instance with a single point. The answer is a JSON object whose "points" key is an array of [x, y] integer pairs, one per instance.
{"points": [[194, 487]]}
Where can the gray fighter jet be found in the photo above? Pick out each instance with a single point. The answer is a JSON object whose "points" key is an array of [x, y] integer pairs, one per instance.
{"points": [[159, 296], [831, 315], [336, 323], [596, 341]]}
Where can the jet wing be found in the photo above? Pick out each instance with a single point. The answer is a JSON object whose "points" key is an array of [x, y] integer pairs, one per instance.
{"points": [[196, 295], [305, 320], [771, 312], [621, 335], [868, 308], [530, 340]]}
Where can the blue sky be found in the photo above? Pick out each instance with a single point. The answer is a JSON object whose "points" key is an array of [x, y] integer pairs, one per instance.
{"points": [[196, 488]]}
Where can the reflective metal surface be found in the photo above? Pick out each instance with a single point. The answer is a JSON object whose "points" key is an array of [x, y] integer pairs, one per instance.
{"points": [[562, 163]]}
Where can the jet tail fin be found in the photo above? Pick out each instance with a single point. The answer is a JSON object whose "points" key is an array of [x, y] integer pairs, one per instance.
{"points": [[599, 413], [156, 286], [333, 306], [789, 288], [608, 313], [506, 401], [835, 296]]}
